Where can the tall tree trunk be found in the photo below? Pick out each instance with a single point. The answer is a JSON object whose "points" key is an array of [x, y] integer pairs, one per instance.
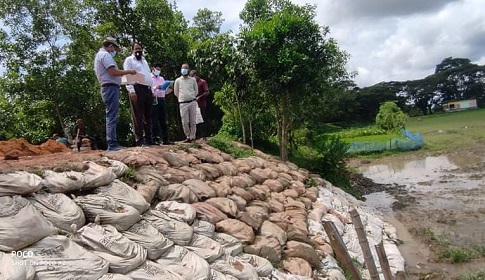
{"points": [[278, 121], [284, 127], [241, 119]]}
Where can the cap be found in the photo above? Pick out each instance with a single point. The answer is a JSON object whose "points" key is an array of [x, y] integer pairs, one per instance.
{"points": [[113, 41]]}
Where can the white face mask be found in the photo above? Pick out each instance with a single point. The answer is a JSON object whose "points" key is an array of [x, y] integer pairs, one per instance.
{"points": [[156, 72]]}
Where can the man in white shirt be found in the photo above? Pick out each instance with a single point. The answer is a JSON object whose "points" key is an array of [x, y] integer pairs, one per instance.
{"points": [[185, 89], [141, 98]]}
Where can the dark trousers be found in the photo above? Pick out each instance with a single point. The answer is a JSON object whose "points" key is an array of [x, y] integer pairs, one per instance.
{"points": [[141, 114], [159, 121], [202, 128]]}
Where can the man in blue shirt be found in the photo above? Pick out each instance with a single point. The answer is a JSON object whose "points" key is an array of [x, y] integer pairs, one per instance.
{"points": [[109, 77]]}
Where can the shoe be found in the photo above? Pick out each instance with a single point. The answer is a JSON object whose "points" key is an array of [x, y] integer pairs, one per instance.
{"points": [[187, 141], [115, 148]]}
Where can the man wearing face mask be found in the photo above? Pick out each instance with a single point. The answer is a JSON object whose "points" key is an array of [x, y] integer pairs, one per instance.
{"points": [[141, 99], [186, 90], [109, 78], [159, 115]]}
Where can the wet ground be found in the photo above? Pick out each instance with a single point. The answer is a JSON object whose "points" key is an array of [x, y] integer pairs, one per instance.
{"points": [[442, 196]]}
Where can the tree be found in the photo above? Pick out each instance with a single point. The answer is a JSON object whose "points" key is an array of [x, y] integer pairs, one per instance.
{"points": [[390, 117], [206, 24], [289, 53]]}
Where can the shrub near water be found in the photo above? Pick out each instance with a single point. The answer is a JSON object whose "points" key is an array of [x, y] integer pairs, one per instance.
{"points": [[390, 117]]}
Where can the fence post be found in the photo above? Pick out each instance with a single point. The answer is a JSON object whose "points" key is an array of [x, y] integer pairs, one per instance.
{"points": [[381, 253], [340, 249], [364, 244]]}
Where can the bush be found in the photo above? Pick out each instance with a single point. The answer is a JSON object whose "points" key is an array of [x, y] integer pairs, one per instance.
{"points": [[390, 117], [224, 143]]}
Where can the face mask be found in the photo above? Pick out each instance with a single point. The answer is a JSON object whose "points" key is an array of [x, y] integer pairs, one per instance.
{"points": [[138, 54], [156, 72], [113, 53], [184, 71]]}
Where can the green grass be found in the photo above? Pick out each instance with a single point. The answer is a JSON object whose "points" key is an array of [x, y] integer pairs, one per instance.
{"points": [[478, 275]]}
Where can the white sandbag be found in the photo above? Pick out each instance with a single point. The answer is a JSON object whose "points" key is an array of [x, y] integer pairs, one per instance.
{"points": [[200, 188], [112, 276], [205, 247], [235, 267], [180, 233], [182, 212], [124, 194], [153, 271], [150, 238], [278, 275], [231, 245], [59, 209], [262, 265], [56, 257], [13, 268], [21, 224], [63, 182], [97, 176], [176, 192], [203, 228], [185, 263], [110, 212], [105, 241], [19, 182], [216, 275], [118, 167]]}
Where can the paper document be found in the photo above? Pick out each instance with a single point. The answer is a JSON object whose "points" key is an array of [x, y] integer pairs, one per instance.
{"points": [[138, 78]]}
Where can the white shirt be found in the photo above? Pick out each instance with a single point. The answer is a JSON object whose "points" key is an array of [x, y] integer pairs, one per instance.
{"points": [[140, 66], [185, 88]]}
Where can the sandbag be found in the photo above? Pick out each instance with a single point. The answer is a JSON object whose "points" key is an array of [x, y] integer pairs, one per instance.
{"points": [[278, 275], [262, 265], [298, 266], [237, 229], [266, 247], [118, 167], [204, 228], [110, 212], [205, 247], [179, 232], [200, 188], [124, 194], [151, 181], [174, 160], [231, 245], [177, 192], [206, 212], [97, 176], [304, 251], [63, 182], [235, 267], [226, 205], [105, 241], [268, 229], [210, 172], [13, 268], [182, 212], [153, 271], [19, 182], [185, 263], [149, 238], [216, 275], [56, 256], [59, 209], [21, 224], [112, 276], [222, 190]]}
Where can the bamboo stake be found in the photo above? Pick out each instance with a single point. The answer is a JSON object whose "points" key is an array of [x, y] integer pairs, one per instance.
{"points": [[364, 244], [381, 253], [340, 249]]}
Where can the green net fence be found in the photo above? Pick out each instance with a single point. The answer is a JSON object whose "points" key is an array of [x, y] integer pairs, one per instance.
{"points": [[413, 141]]}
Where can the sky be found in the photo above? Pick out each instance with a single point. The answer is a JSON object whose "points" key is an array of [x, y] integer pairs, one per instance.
{"points": [[387, 40]]}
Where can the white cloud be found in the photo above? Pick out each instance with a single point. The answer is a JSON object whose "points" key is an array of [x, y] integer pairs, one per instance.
{"points": [[390, 40]]}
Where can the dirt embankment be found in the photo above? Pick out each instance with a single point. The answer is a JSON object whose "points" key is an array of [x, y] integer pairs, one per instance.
{"points": [[20, 147]]}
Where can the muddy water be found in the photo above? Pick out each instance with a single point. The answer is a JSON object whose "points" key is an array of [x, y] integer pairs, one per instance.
{"points": [[443, 193]]}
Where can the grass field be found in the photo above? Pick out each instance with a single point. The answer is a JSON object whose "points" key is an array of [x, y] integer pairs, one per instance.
{"points": [[441, 132]]}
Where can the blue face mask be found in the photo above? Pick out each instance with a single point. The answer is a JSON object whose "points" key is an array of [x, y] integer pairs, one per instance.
{"points": [[112, 53], [184, 71]]}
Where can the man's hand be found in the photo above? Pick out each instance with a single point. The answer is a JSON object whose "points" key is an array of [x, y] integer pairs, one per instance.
{"points": [[133, 72], [132, 96]]}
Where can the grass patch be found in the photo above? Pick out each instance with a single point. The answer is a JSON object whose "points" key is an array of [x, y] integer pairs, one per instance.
{"points": [[478, 275], [130, 177], [225, 144]]}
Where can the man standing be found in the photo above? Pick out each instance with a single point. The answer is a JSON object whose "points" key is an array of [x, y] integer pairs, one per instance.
{"points": [[185, 89], [159, 113], [109, 78], [202, 100], [141, 99]]}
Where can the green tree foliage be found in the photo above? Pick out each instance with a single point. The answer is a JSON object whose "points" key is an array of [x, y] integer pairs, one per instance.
{"points": [[390, 117], [289, 53], [206, 24]]}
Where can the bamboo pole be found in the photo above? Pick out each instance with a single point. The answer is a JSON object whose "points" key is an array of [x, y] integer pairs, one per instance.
{"points": [[340, 249], [364, 244], [381, 253]]}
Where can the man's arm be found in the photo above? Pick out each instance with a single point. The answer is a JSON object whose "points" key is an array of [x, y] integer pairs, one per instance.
{"points": [[176, 88], [205, 89], [196, 88]]}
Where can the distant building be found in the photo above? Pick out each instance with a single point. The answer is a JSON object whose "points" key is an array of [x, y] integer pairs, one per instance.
{"points": [[457, 105]]}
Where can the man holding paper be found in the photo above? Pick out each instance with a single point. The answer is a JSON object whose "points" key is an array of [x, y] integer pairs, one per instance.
{"points": [[141, 99]]}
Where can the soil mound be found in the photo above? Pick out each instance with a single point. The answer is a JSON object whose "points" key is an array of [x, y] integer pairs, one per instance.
{"points": [[24, 148]]}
